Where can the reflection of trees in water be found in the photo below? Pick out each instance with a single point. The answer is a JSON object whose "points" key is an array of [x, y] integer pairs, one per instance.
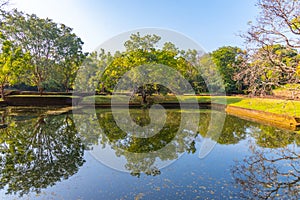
{"points": [[269, 173], [142, 153], [236, 129], [130, 143], [38, 152], [270, 137]]}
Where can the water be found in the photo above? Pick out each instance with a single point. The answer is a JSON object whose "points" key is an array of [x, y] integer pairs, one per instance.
{"points": [[88, 156]]}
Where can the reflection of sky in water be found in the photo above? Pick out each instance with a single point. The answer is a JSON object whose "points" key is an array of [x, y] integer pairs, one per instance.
{"points": [[188, 177]]}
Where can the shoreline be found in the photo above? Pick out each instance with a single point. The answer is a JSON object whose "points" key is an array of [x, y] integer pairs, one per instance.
{"points": [[280, 120]]}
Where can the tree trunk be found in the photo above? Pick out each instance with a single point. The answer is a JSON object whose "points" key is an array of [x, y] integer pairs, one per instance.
{"points": [[40, 90], [66, 85], [2, 92], [40, 84], [144, 96], [102, 88]]}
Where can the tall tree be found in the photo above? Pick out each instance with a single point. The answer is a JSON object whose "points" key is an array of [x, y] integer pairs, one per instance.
{"points": [[144, 43], [36, 36], [278, 23], [13, 63], [69, 55], [139, 51], [49, 44], [142, 51], [208, 80], [90, 72], [227, 60], [264, 69]]}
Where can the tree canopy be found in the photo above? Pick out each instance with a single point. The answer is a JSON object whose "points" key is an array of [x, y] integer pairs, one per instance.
{"points": [[227, 60], [13, 63], [273, 46], [54, 50], [48, 55], [147, 62]]}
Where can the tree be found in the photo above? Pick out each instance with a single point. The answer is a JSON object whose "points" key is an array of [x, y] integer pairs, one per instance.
{"points": [[13, 62], [227, 60], [70, 55], [145, 43], [208, 80], [267, 68], [86, 74], [3, 4], [36, 36], [278, 23], [88, 78], [141, 51], [104, 59], [49, 44]]}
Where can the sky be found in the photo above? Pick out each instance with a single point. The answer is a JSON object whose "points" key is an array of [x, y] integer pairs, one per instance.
{"points": [[209, 23]]}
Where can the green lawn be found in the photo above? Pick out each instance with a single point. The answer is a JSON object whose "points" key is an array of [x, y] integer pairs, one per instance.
{"points": [[37, 95], [97, 99], [288, 107]]}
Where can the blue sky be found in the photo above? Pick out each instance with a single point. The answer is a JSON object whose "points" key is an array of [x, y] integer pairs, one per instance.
{"points": [[210, 23]]}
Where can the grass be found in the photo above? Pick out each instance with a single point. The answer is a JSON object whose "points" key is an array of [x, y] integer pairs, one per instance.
{"points": [[97, 99], [43, 96], [288, 107]]}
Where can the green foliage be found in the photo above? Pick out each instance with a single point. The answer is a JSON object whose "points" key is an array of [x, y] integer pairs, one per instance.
{"points": [[69, 55], [91, 71], [209, 78], [227, 60], [56, 52], [13, 63], [141, 51], [198, 70], [38, 152], [273, 42], [145, 43]]}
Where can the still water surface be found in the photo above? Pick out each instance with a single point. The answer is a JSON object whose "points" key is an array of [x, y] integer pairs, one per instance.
{"points": [[49, 157]]}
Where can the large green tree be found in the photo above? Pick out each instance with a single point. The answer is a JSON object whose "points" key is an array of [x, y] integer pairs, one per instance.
{"points": [[50, 45], [227, 60], [13, 63], [143, 51], [88, 78], [69, 55]]}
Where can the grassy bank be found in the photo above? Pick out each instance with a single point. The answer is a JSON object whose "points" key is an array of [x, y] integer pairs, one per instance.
{"points": [[289, 107]]}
